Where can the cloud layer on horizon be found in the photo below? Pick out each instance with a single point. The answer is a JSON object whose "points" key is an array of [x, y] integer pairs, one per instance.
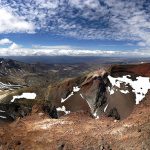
{"points": [[14, 49]]}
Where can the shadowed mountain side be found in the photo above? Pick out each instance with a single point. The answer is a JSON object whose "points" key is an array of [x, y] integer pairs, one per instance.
{"points": [[75, 104], [123, 103]]}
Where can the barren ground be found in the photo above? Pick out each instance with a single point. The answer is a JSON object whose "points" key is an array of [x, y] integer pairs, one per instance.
{"points": [[79, 131]]}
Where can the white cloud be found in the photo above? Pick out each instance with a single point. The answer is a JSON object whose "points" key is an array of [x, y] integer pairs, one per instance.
{"points": [[49, 4], [5, 41], [142, 44], [52, 47], [13, 23], [94, 4], [14, 46], [65, 50], [131, 20]]}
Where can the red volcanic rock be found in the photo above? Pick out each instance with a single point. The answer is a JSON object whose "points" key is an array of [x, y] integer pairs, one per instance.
{"points": [[63, 94], [93, 93], [134, 69]]}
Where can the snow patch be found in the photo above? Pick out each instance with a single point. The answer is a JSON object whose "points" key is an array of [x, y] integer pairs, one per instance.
{"points": [[3, 117], [140, 86], [75, 89], [111, 90], [124, 91], [24, 95], [96, 115], [2, 111], [86, 100], [81, 96], [8, 86], [105, 108], [63, 108], [64, 99]]}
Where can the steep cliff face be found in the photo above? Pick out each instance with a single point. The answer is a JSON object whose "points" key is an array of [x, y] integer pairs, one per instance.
{"points": [[134, 69], [79, 94]]}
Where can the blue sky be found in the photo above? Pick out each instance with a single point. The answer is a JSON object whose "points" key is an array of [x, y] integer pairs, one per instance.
{"points": [[75, 27]]}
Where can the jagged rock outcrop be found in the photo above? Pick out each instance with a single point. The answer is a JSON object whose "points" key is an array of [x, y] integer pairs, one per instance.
{"points": [[12, 111], [87, 93], [96, 94]]}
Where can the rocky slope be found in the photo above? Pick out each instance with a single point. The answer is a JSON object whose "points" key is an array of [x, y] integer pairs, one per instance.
{"points": [[16, 72], [38, 74], [105, 109]]}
